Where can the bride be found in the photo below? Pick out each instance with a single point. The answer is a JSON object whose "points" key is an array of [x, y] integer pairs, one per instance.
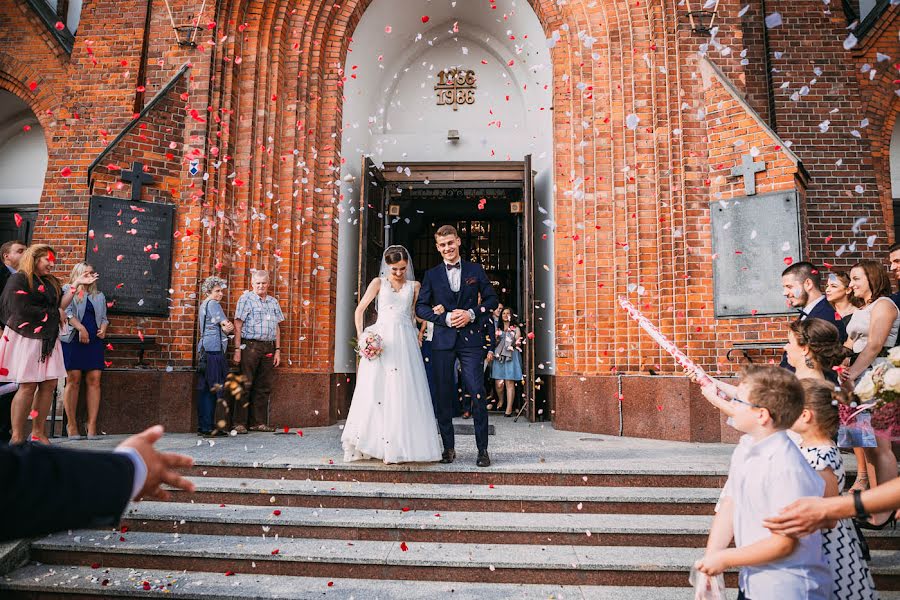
{"points": [[391, 416]]}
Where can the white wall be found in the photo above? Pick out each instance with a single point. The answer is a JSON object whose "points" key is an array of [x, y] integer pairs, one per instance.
{"points": [[391, 114], [895, 160], [23, 154]]}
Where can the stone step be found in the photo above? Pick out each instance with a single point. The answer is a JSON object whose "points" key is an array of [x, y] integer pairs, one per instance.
{"points": [[473, 563], [420, 526], [34, 579], [583, 529], [451, 497], [463, 471]]}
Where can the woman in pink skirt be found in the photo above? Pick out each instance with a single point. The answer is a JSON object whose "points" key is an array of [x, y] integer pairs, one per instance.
{"points": [[30, 352]]}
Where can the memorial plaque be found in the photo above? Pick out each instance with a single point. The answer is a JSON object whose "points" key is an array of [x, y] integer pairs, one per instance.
{"points": [[130, 245], [751, 238]]}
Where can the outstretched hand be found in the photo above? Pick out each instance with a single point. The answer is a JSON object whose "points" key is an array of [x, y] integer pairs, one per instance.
{"points": [[161, 466], [802, 517]]}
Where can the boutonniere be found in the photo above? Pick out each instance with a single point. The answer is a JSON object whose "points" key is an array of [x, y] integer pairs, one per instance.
{"points": [[471, 280]]}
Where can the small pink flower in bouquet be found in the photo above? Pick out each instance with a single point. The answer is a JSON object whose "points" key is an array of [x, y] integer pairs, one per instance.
{"points": [[370, 345]]}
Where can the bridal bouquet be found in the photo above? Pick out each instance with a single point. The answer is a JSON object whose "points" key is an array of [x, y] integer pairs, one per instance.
{"points": [[370, 345], [881, 385]]}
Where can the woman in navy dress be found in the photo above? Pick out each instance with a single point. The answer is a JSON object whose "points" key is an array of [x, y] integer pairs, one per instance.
{"points": [[84, 349]]}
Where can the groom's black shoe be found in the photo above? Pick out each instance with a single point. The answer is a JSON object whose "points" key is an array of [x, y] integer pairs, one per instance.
{"points": [[483, 459], [449, 456]]}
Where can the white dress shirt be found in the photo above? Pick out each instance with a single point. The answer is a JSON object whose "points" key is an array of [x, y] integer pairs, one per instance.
{"points": [[454, 276], [140, 469], [764, 477]]}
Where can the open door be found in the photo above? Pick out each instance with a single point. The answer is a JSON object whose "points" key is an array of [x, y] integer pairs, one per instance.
{"points": [[528, 368], [371, 230]]}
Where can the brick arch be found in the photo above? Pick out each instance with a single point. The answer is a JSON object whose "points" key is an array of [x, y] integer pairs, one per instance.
{"points": [[284, 125], [15, 77]]}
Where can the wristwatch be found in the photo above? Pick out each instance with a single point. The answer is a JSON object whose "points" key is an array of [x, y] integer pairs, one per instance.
{"points": [[861, 513]]}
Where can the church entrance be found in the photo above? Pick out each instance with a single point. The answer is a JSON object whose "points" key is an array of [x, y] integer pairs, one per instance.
{"points": [[489, 203]]}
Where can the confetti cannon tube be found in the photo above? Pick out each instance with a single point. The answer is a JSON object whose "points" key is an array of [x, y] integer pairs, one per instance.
{"points": [[682, 359]]}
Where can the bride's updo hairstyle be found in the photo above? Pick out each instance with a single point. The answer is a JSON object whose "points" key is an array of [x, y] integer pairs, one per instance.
{"points": [[823, 340], [395, 254]]}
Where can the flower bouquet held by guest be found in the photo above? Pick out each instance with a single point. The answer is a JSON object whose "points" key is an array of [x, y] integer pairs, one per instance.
{"points": [[30, 350], [506, 369], [872, 331], [213, 413], [83, 348], [391, 417], [257, 340]]}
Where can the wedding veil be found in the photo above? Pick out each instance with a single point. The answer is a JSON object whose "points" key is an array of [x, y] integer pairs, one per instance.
{"points": [[386, 268]]}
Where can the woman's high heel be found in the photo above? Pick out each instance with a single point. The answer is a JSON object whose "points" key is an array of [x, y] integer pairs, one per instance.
{"points": [[891, 521]]}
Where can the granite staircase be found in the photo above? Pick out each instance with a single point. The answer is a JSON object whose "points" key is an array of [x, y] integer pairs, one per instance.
{"points": [[269, 531]]}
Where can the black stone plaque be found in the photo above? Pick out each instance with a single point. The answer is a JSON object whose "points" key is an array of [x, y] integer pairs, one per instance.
{"points": [[130, 245]]}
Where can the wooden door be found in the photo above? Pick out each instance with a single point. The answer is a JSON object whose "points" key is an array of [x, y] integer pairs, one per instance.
{"points": [[528, 367], [371, 230]]}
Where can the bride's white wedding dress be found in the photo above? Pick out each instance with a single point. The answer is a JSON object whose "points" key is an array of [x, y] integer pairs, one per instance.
{"points": [[391, 416]]}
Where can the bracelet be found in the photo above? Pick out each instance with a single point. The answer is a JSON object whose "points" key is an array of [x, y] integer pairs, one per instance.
{"points": [[858, 505]]}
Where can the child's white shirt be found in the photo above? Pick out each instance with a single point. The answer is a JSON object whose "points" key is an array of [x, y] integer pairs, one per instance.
{"points": [[764, 477]]}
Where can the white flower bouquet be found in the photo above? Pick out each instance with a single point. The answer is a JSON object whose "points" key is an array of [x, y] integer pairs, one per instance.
{"points": [[881, 385], [370, 345]]}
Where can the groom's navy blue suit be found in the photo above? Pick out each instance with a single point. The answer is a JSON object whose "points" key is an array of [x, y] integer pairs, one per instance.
{"points": [[466, 344]]}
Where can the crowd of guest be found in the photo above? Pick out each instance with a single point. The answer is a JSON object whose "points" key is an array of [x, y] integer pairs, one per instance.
{"points": [[796, 425]]}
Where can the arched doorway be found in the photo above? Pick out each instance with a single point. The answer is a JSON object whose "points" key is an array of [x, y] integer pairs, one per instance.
{"points": [[23, 166], [442, 151]]}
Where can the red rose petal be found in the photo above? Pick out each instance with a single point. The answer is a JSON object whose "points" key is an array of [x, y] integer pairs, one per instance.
{"points": [[276, 512], [425, 18], [18, 219], [60, 26], [66, 172], [33, 414], [229, 573], [403, 546]]}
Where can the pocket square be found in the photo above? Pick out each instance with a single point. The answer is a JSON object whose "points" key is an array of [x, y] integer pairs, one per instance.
{"points": [[471, 280]]}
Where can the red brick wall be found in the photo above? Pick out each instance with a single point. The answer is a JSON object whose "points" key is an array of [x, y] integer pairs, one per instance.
{"points": [[631, 205]]}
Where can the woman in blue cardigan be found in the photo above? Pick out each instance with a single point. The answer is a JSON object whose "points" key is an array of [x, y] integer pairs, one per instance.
{"points": [[84, 349]]}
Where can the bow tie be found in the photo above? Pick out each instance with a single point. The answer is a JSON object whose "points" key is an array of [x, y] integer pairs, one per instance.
{"points": [[451, 267]]}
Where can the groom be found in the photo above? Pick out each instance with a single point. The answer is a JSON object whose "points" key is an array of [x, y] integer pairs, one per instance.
{"points": [[449, 299]]}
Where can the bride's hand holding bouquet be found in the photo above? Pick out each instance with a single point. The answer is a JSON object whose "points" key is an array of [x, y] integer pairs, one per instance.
{"points": [[370, 345]]}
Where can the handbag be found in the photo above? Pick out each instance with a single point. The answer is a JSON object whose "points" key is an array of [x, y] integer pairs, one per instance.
{"points": [[202, 359], [857, 432]]}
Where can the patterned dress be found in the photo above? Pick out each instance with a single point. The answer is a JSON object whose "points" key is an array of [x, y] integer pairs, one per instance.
{"points": [[852, 579]]}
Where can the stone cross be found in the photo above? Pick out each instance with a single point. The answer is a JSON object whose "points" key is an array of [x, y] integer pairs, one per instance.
{"points": [[748, 170], [137, 178]]}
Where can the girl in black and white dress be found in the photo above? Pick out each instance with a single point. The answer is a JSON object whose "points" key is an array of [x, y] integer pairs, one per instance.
{"points": [[817, 426]]}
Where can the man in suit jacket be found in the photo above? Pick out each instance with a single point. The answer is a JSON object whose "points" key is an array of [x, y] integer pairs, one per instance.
{"points": [[449, 298], [46, 488], [894, 263], [11, 252], [802, 286]]}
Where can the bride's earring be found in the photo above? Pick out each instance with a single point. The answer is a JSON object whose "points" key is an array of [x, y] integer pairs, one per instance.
{"points": [[809, 362]]}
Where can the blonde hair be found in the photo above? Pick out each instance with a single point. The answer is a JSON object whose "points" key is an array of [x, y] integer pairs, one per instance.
{"points": [[77, 271], [29, 259]]}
